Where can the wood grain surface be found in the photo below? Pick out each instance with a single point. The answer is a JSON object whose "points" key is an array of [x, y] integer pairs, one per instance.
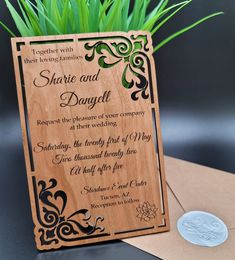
{"points": [[92, 139]]}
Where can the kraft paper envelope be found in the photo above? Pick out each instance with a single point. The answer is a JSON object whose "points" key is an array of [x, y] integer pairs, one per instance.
{"points": [[193, 187]]}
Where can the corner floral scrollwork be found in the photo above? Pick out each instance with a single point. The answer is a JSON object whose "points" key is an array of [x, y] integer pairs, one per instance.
{"points": [[130, 51], [55, 226]]}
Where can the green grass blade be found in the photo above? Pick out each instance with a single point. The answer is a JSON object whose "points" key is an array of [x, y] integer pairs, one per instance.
{"points": [[48, 17], [184, 30], [170, 16], [64, 17], [42, 20], [142, 14], [83, 15], [103, 14], [31, 17], [71, 23], [24, 14], [111, 16], [135, 15], [47, 4], [20, 24], [156, 9], [153, 18], [104, 7], [125, 13], [167, 10], [7, 29], [118, 22], [94, 15], [51, 24], [76, 17], [60, 5], [55, 14]]}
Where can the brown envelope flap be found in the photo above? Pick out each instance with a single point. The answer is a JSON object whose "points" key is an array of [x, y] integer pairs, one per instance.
{"points": [[202, 188], [170, 245]]}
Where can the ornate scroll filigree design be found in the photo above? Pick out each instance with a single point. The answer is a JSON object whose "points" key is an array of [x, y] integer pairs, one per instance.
{"points": [[55, 226], [130, 51]]}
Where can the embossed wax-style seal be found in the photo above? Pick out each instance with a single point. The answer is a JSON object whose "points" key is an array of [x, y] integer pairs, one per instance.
{"points": [[202, 228]]}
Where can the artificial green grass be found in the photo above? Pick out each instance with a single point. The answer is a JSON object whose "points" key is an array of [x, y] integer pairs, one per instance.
{"points": [[51, 17]]}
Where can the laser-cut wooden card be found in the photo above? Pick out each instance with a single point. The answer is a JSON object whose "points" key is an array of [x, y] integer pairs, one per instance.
{"points": [[92, 140]]}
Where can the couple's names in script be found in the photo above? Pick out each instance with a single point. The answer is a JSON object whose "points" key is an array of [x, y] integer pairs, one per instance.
{"points": [[71, 98], [48, 78]]}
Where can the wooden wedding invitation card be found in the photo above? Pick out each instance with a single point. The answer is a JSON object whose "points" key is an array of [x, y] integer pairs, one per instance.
{"points": [[92, 140]]}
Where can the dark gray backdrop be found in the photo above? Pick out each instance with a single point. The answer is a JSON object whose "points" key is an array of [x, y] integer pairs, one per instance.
{"points": [[196, 91], [196, 76]]}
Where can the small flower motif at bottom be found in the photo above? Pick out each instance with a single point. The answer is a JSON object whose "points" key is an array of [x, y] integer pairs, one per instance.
{"points": [[146, 211]]}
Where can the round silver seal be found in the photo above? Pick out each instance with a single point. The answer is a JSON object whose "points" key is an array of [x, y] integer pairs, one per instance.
{"points": [[202, 228]]}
